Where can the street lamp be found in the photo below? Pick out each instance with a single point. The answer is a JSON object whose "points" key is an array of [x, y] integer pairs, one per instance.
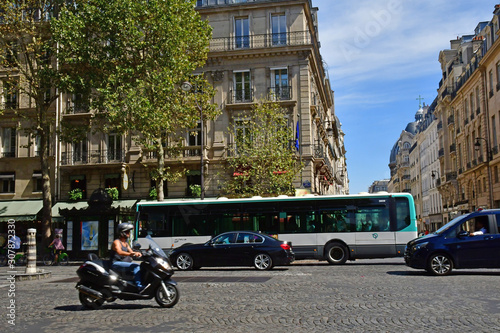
{"points": [[329, 129], [489, 157], [477, 146], [186, 87]]}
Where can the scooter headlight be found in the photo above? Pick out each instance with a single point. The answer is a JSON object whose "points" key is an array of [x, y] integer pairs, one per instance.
{"points": [[165, 264]]}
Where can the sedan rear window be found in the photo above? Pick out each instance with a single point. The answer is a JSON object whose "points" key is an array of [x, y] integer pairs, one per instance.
{"points": [[248, 238]]}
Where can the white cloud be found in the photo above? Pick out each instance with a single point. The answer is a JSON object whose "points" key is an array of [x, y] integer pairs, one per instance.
{"points": [[367, 39]]}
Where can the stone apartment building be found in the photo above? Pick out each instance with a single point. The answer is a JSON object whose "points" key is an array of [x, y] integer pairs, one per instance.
{"points": [[464, 132], [260, 48], [468, 107], [414, 167]]}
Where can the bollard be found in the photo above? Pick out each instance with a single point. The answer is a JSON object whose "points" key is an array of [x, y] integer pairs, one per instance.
{"points": [[31, 255]]}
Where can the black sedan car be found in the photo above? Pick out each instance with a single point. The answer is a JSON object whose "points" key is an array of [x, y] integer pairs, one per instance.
{"points": [[236, 248]]}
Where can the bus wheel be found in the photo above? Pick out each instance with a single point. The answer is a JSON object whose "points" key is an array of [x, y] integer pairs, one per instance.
{"points": [[336, 254], [184, 262]]}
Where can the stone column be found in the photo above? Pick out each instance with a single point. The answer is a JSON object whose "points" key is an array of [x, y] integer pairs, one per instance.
{"points": [[31, 255]]}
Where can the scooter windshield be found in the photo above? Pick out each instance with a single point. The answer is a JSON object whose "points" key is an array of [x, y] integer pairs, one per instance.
{"points": [[155, 247]]}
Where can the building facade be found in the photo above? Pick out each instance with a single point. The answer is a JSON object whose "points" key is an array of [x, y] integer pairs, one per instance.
{"points": [[378, 186], [259, 49], [468, 104], [414, 165]]}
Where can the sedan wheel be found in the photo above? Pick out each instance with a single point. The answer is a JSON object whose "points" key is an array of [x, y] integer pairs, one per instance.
{"points": [[184, 262], [263, 262], [440, 264]]}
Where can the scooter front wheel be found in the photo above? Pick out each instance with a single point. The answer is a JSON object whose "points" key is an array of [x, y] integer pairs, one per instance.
{"points": [[89, 302], [167, 295]]}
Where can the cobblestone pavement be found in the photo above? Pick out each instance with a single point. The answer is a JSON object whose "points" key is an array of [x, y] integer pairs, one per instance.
{"points": [[309, 296]]}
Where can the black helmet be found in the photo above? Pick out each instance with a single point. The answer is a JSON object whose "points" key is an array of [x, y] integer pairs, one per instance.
{"points": [[123, 228]]}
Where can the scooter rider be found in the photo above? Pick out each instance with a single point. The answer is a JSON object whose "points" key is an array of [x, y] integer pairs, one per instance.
{"points": [[121, 254]]}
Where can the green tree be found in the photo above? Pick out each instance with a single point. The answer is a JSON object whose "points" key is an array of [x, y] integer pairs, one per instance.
{"points": [[130, 58], [263, 159], [29, 71]]}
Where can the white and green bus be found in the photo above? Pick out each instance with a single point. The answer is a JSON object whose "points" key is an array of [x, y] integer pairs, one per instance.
{"points": [[335, 228]]}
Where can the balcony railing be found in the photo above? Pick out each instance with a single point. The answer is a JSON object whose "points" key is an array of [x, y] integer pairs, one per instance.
{"points": [[93, 157], [74, 108], [188, 151], [240, 96], [280, 93], [8, 154], [318, 151], [209, 3], [451, 120], [260, 41], [11, 104]]}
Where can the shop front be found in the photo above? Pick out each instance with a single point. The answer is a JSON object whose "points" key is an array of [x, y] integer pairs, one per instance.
{"points": [[89, 227]]}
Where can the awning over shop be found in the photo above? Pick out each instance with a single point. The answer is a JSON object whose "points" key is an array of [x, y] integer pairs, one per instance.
{"points": [[82, 205], [20, 210], [57, 217]]}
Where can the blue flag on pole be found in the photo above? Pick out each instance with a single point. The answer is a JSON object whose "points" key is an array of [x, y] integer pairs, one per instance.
{"points": [[297, 137]]}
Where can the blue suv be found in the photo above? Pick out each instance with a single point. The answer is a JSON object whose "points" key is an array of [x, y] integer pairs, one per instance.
{"points": [[468, 241]]}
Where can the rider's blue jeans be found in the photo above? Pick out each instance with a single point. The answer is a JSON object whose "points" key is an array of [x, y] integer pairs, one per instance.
{"points": [[122, 266]]}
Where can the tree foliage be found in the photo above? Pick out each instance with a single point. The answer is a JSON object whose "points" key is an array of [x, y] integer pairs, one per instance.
{"points": [[263, 158], [129, 58], [29, 76]]}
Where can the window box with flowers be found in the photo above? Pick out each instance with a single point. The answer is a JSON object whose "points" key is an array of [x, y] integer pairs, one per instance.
{"points": [[113, 192], [75, 194]]}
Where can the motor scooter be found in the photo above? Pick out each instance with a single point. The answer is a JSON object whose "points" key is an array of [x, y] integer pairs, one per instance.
{"points": [[99, 283]]}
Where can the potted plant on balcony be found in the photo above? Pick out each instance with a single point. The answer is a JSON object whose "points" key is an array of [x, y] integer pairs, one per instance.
{"points": [[75, 194], [153, 194], [113, 192], [195, 190]]}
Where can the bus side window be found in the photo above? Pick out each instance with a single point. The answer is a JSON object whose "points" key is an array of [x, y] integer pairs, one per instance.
{"points": [[498, 222], [402, 213], [329, 223]]}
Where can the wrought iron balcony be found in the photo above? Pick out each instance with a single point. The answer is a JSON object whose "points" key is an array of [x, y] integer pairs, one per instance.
{"points": [[93, 157], [8, 154], [260, 41], [451, 120], [280, 93], [74, 108], [12, 104], [240, 96], [215, 3]]}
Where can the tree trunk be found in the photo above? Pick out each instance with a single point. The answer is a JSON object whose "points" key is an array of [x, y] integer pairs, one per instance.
{"points": [[161, 166], [46, 189]]}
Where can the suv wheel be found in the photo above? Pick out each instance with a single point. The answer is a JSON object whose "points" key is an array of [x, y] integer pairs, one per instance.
{"points": [[440, 264]]}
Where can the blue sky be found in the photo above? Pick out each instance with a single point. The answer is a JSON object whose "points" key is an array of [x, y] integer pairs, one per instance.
{"points": [[381, 55]]}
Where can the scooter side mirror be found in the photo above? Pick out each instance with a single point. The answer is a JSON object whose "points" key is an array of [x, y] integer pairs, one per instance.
{"points": [[136, 246]]}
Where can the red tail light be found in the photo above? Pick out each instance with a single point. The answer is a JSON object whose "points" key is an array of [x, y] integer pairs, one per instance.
{"points": [[285, 246]]}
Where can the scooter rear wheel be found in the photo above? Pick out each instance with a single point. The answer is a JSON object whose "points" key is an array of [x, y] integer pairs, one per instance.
{"points": [[167, 300], [90, 303]]}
